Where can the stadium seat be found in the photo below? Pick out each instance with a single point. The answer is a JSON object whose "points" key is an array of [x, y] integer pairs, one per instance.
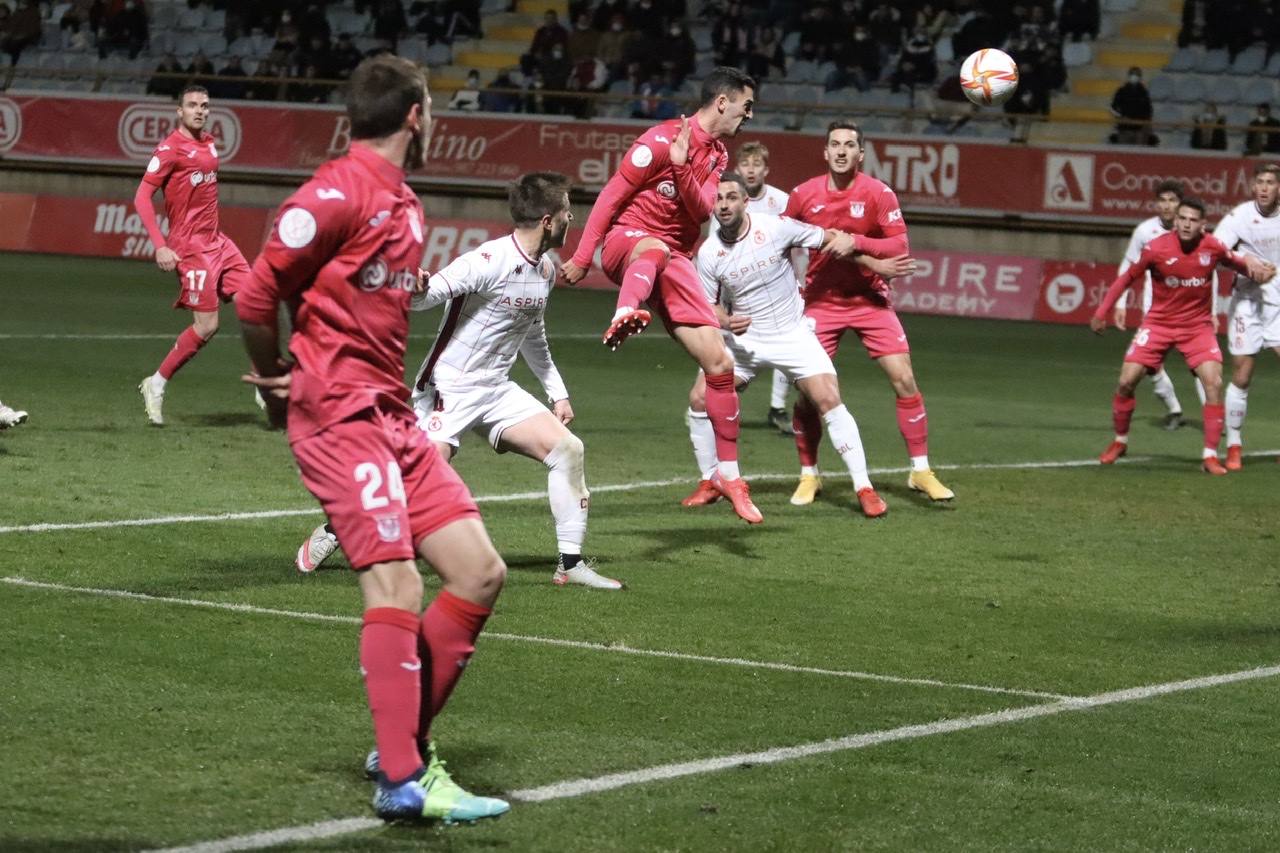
{"points": [[1258, 90], [1161, 88], [1214, 61], [212, 44], [1189, 88], [701, 35], [1223, 90], [1273, 66], [164, 16], [413, 48], [1185, 58], [847, 97], [438, 54], [1251, 60], [216, 19], [242, 47], [162, 41], [191, 18], [494, 7], [791, 43], [1119, 6], [943, 51], [803, 71], [1077, 53]]}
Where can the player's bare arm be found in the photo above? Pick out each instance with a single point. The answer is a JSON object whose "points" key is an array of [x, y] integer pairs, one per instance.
{"points": [[888, 268]]}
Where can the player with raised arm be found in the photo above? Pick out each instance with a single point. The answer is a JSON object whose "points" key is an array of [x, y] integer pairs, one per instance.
{"points": [[497, 297], [1181, 265], [745, 263], [841, 295], [345, 254], [650, 215], [209, 266], [752, 164], [1253, 320], [1168, 194]]}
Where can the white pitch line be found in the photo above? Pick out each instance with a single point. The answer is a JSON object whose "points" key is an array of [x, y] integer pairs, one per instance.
{"points": [[546, 641], [582, 787]]}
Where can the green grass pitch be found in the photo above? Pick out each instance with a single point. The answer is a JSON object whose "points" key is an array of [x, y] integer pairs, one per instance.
{"points": [[132, 723]]}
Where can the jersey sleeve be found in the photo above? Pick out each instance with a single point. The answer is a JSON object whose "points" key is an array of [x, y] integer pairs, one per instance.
{"points": [[802, 234], [472, 272], [707, 274], [1228, 231], [1123, 282], [889, 214], [795, 204], [536, 352], [1133, 250], [160, 166]]}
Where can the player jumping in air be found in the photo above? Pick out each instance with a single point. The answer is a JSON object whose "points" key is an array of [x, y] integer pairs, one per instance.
{"points": [[345, 254], [497, 296], [841, 295], [1253, 321], [210, 268], [745, 263], [649, 216], [1181, 264]]}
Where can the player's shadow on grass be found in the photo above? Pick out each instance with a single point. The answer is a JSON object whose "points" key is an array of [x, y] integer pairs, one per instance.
{"points": [[230, 419]]}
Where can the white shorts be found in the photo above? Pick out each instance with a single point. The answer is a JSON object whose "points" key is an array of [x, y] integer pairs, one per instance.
{"points": [[1252, 325], [444, 414], [796, 353]]}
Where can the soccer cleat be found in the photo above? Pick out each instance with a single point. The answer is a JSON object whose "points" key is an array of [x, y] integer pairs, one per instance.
{"points": [[1235, 461], [928, 482], [1174, 420], [319, 547], [583, 574], [11, 417], [434, 796], [873, 506], [781, 421], [739, 494], [153, 400], [704, 494], [1114, 451], [809, 487], [1211, 465], [627, 322], [257, 399]]}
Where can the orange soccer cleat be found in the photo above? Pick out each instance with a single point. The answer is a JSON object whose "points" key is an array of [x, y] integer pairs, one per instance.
{"points": [[625, 324], [704, 494], [1213, 466], [739, 494], [1235, 461], [873, 506], [1114, 451]]}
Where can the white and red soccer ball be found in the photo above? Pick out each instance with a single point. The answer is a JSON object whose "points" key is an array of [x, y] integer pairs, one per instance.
{"points": [[989, 77]]}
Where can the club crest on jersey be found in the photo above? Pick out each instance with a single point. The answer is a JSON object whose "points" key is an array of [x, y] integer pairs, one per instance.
{"points": [[434, 424], [758, 237], [1205, 259], [857, 209], [388, 527], [373, 275], [667, 189]]}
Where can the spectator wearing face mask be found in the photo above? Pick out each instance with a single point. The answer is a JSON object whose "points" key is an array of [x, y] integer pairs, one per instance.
{"points": [[857, 61], [615, 45], [676, 53], [1131, 104], [554, 70], [1210, 132], [125, 30], [1264, 133], [583, 41], [551, 34]]}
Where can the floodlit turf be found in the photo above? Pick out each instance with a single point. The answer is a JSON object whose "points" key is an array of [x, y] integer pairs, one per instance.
{"points": [[134, 724]]}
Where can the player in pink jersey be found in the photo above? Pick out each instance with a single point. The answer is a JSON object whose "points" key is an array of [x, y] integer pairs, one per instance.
{"points": [[345, 254], [1181, 263], [841, 295], [210, 268], [649, 216]]}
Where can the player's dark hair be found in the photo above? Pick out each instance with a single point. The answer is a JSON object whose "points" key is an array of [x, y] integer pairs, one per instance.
{"points": [[380, 94], [189, 88], [845, 124], [753, 149], [536, 195], [1272, 169], [1193, 203], [734, 177], [725, 81], [1169, 185]]}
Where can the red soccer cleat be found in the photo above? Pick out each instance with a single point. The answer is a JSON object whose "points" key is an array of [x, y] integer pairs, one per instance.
{"points": [[873, 506], [1213, 466], [1114, 451], [1235, 461], [704, 494], [631, 323], [739, 494]]}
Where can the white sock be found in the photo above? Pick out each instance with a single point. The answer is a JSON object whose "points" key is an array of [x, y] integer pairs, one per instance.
{"points": [[158, 382], [1200, 390], [1123, 439], [808, 470], [567, 488], [1163, 386], [1237, 405], [778, 391], [919, 463], [1210, 453], [843, 431], [703, 438], [729, 470]]}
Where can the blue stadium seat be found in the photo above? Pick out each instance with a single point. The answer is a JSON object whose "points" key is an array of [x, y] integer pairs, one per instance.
{"points": [[1161, 88], [1251, 60], [1258, 90], [1185, 59], [1189, 88], [1077, 53], [1214, 61]]}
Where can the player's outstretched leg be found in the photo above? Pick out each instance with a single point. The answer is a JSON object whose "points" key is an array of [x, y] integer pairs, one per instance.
{"points": [[1237, 406], [10, 417], [637, 285], [777, 417], [626, 322], [807, 429], [703, 438], [1162, 385], [319, 547]]}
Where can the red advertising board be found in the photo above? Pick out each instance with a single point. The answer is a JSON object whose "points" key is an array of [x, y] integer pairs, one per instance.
{"points": [[934, 174], [962, 284]]}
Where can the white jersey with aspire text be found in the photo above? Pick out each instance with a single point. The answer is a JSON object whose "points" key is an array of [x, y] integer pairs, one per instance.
{"points": [[1246, 230], [1143, 233], [772, 201], [497, 296], [753, 274]]}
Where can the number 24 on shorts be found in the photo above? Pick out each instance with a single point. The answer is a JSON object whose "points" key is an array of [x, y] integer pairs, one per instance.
{"points": [[371, 497]]}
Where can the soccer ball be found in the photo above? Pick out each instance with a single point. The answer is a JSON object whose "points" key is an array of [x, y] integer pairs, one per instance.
{"points": [[989, 77]]}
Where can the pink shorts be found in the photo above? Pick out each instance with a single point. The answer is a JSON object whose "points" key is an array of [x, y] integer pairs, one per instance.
{"points": [[1152, 343], [383, 485], [877, 326], [677, 296], [210, 275]]}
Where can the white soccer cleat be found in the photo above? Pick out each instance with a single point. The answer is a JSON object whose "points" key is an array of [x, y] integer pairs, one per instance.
{"points": [[257, 399], [319, 547], [153, 400], [11, 417], [583, 575]]}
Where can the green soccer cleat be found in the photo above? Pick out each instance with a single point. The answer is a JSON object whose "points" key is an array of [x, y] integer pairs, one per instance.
{"points": [[434, 796]]}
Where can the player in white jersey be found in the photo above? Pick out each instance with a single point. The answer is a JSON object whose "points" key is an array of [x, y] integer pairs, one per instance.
{"points": [[1253, 321], [11, 417], [1168, 194], [497, 295], [745, 263], [753, 166]]}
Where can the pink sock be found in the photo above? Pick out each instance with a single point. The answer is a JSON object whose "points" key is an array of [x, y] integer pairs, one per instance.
{"points": [[641, 275], [722, 409], [808, 426], [392, 678], [187, 345], [1214, 416], [913, 423], [1122, 413], [448, 629]]}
